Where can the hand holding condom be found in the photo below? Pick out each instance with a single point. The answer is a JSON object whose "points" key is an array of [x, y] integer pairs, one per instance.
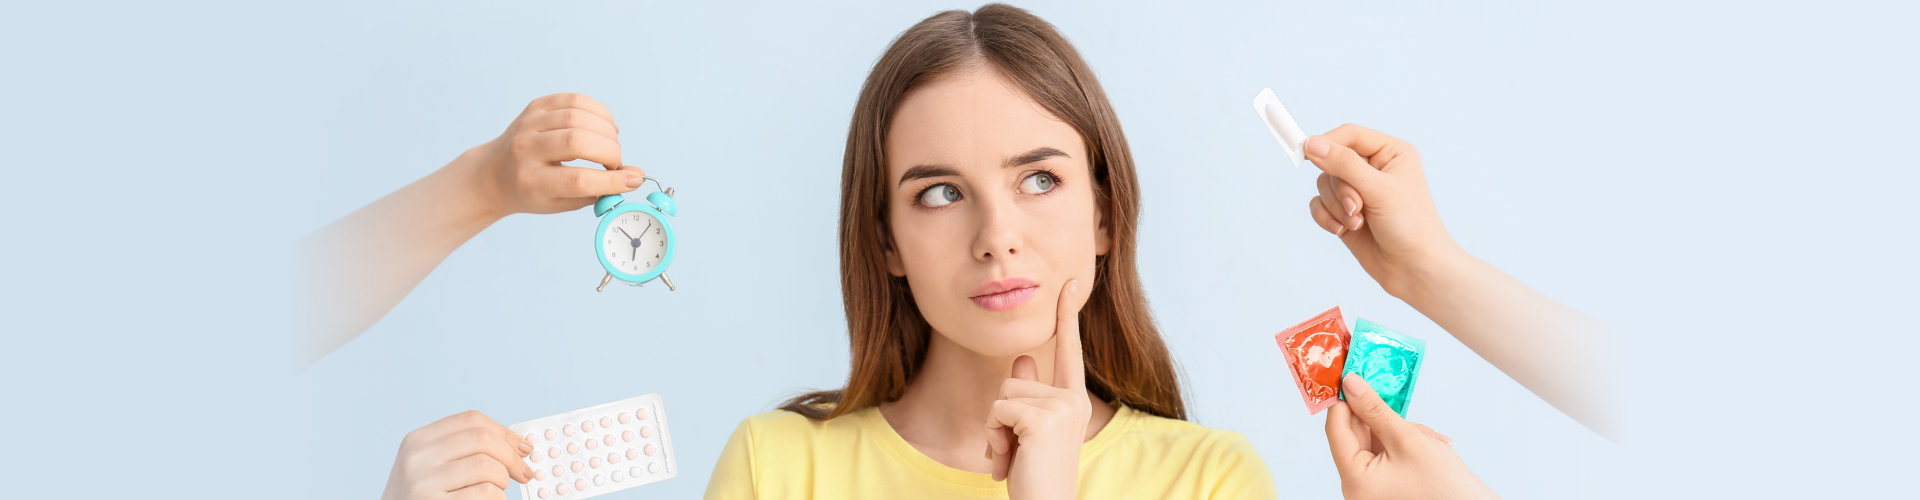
{"points": [[1380, 455]]}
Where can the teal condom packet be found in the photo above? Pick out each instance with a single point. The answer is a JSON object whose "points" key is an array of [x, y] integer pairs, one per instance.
{"points": [[1388, 360]]}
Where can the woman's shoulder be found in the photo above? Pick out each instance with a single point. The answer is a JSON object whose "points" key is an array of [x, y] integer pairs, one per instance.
{"points": [[1180, 437], [786, 426]]}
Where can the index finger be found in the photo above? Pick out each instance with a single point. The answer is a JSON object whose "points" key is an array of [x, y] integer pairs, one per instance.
{"points": [[575, 100], [1069, 369], [1364, 141]]}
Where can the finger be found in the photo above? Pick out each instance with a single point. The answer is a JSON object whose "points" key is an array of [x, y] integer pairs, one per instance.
{"points": [[1014, 415], [1371, 409], [578, 100], [1323, 218], [1026, 387], [1379, 149], [470, 419], [1340, 161], [1436, 434], [483, 442], [1069, 370], [1003, 462], [570, 144], [1342, 439], [473, 470], [576, 182], [1329, 201], [572, 118], [1349, 202], [482, 491], [1025, 368]]}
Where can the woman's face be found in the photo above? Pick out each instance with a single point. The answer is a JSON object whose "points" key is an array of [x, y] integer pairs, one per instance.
{"points": [[991, 210]]}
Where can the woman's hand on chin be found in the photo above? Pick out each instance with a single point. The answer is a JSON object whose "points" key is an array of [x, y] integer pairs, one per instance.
{"points": [[1034, 430]]}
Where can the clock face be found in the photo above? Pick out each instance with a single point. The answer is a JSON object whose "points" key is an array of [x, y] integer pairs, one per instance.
{"points": [[635, 242]]}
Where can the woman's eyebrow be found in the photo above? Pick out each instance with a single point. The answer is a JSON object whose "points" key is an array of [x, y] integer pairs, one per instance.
{"points": [[1029, 157], [1034, 156]]}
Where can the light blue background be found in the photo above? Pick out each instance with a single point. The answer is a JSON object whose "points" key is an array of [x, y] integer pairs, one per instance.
{"points": [[1729, 184]]}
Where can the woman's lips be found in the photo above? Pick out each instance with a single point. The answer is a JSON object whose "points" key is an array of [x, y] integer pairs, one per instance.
{"points": [[1004, 294]]}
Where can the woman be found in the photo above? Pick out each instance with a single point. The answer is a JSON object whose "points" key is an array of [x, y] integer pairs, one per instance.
{"points": [[987, 226]]}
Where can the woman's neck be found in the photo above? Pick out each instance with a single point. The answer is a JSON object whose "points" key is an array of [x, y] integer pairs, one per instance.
{"points": [[943, 412]]}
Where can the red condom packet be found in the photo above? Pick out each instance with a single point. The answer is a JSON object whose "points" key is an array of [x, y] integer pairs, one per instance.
{"points": [[1316, 352]]}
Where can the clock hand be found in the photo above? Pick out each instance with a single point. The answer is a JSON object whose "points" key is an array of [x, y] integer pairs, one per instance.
{"points": [[629, 235], [649, 226]]}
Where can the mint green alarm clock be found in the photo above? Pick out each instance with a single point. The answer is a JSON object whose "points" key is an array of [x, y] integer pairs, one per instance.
{"points": [[635, 242]]}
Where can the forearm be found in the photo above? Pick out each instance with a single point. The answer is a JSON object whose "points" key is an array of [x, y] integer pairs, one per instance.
{"points": [[363, 264], [1560, 354]]}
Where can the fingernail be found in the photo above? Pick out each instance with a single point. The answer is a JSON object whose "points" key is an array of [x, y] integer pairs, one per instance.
{"points": [[525, 447], [1353, 224], [1353, 206], [635, 180], [1317, 146]]}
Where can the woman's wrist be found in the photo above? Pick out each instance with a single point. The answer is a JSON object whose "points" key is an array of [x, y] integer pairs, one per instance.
{"points": [[1433, 274], [468, 194]]}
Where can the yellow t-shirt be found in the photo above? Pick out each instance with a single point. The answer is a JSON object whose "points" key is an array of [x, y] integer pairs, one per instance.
{"points": [[782, 454]]}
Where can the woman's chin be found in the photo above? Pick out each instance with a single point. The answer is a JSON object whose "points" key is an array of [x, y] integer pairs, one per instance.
{"points": [[1004, 338]]}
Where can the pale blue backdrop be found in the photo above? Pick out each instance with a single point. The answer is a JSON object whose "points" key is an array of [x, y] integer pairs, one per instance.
{"points": [[1728, 183]]}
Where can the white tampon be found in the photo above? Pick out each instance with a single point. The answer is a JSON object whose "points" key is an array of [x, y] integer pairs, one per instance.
{"points": [[1281, 123]]}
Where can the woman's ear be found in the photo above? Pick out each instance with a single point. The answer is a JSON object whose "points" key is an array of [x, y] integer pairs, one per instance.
{"points": [[1103, 238], [894, 266]]}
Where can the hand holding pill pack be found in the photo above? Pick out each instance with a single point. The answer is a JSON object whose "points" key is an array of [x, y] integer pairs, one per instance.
{"points": [[598, 450], [1321, 351]]}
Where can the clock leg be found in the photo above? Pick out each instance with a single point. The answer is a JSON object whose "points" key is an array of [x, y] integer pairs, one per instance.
{"points": [[603, 283], [663, 279]]}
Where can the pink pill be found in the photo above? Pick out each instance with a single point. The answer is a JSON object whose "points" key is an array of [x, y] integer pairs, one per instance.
{"points": [[580, 484], [633, 454], [577, 466], [553, 453], [640, 414], [544, 493], [551, 435], [535, 458], [608, 441], [591, 444], [561, 489], [646, 432], [539, 474], [573, 448], [586, 426], [568, 430], [624, 418], [649, 450], [557, 471], [594, 462], [613, 458], [626, 436]]}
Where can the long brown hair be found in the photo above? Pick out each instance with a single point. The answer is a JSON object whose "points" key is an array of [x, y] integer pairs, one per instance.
{"points": [[1125, 359]]}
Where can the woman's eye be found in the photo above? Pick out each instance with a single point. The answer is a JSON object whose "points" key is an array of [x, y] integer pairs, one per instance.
{"points": [[1039, 182], [940, 196]]}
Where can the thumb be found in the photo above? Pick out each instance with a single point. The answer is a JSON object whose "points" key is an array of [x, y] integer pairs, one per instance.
{"points": [[578, 182], [1025, 368], [1371, 409]]}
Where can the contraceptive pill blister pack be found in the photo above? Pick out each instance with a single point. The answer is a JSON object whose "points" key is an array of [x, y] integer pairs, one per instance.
{"points": [[598, 450]]}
